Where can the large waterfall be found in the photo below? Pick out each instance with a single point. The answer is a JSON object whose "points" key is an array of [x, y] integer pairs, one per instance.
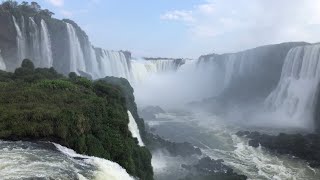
{"points": [[46, 53], [133, 127], [77, 62], [21, 40], [295, 94], [37, 46]]}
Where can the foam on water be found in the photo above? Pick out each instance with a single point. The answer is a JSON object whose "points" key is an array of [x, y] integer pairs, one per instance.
{"points": [[26, 160], [106, 169], [217, 139]]}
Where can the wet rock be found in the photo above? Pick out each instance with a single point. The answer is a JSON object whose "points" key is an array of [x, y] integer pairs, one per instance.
{"points": [[306, 147]]}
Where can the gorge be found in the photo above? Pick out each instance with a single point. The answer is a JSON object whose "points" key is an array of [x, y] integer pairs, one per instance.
{"points": [[70, 110]]}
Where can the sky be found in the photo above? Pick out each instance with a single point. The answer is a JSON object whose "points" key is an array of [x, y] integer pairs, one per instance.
{"points": [[190, 28]]}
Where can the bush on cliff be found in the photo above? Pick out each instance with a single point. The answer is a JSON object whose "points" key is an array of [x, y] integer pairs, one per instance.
{"points": [[89, 117]]}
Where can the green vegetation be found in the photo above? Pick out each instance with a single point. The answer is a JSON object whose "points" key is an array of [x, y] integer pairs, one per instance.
{"points": [[25, 8], [87, 116]]}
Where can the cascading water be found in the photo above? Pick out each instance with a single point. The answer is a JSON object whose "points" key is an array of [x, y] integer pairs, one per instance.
{"points": [[35, 41], [142, 69], [46, 53], [133, 127], [166, 65], [77, 62], [114, 63], [91, 60], [3, 66], [27, 160], [294, 96], [21, 40]]}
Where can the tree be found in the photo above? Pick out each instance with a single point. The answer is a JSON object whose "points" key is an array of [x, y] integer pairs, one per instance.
{"points": [[35, 6]]}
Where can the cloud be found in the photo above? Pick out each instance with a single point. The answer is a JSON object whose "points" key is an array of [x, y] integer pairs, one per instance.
{"points": [[57, 3], [234, 25], [177, 15]]}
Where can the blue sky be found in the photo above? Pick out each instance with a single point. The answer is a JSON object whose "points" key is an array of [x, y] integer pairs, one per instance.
{"points": [[190, 28]]}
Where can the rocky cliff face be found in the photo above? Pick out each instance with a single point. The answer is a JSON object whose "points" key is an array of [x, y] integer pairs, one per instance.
{"points": [[69, 46], [252, 74]]}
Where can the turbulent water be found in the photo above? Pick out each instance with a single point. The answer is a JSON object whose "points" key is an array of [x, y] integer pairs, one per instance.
{"points": [[216, 137], [133, 127], [26, 160]]}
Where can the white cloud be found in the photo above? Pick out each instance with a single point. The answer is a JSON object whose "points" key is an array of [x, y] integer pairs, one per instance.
{"points": [[234, 25], [206, 8], [176, 15], [57, 3]]}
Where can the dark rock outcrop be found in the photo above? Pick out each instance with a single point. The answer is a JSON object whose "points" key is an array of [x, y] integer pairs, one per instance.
{"points": [[306, 147]]}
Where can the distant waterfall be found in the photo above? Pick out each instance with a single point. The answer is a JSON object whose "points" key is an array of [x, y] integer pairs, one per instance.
{"points": [[133, 127], [21, 40], [3, 66], [142, 68], [295, 94], [46, 53], [166, 65], [114, 63], [77, 62]]}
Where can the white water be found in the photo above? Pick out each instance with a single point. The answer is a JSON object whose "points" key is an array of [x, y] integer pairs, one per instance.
{"points": [[77, 62], [35, 40], [21, 40], [91, 61], [133, 127], [216, 137], [3, 66], [142, 69], [26, 160], [114, 63], [107, 170], [46, 52], [294, 97]]}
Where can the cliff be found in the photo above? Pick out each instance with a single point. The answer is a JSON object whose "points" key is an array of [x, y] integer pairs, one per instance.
{"points": [[252, 74], [69, 46], [87, 116]]}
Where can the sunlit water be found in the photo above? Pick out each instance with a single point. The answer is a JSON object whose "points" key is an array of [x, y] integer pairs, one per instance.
{"points": [[217, 139]]}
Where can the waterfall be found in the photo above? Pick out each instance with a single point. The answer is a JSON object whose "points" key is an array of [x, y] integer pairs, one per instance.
{"points": [[35, 41], [77, 62], [46, 53], [21, 40], [133, 127], [142, 68], [3, 66], [91, 60], [166, 65], [295, 94], [114, 63]]}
